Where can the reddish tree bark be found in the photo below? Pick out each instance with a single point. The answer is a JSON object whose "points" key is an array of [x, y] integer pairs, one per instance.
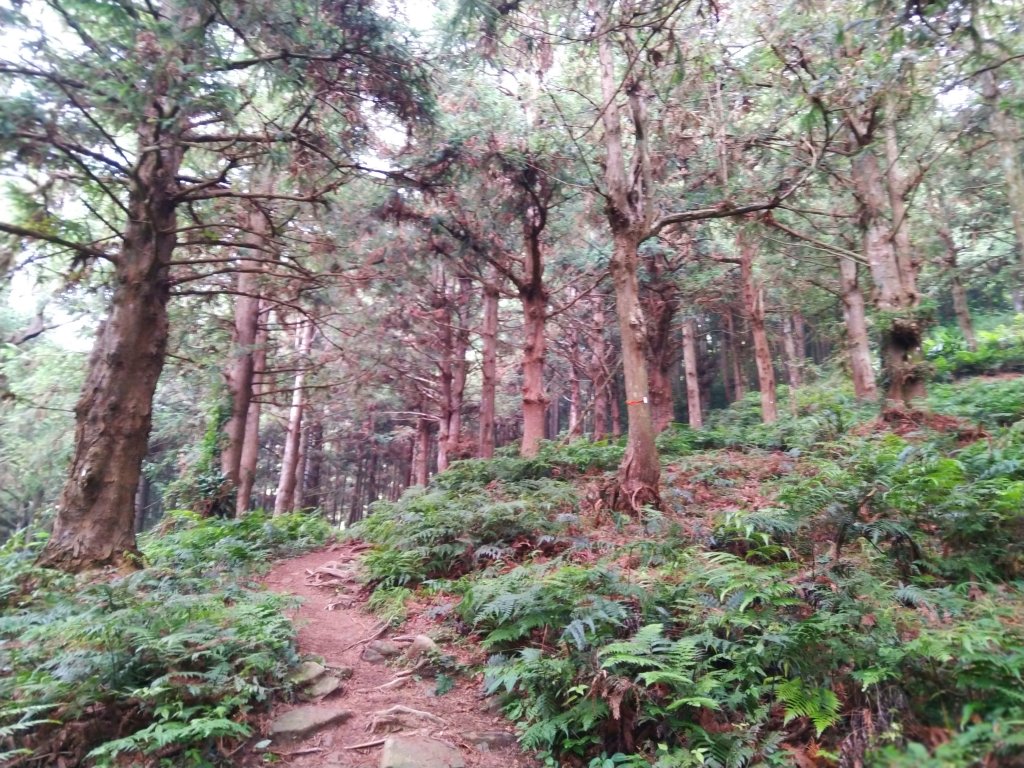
{"points": [[857, 342], [534, 298], [94, 526], [249, 459], [753, 299]]}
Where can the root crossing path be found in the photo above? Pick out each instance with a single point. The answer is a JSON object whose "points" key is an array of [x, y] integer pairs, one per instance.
{"points": [[383, 706]]}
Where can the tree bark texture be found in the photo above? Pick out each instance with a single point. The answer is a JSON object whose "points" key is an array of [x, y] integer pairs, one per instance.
{"points": [[94, 526], [660, 300], [1006, 130], [598, 372], [534, 299], [956, 287], [753, 300], [694, 411]]}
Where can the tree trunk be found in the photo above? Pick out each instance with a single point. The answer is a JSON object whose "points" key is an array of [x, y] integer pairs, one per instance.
{"points": [[857, 342], [753, 299], [141, 503], [956, 286], [249, 459], [239, 372], [460, 344], [599, 373], [445, 340], [575, 406], [95, 519], [284, 502], [639, 473], [895, 294], [794, 359], [693, 400], [421, 454], [535, 301], [735, 342], [314, 464], [489, 370], [614, 399]]}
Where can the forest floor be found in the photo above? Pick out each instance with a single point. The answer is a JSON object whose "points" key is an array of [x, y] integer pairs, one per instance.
{"points": [[333, 626]]}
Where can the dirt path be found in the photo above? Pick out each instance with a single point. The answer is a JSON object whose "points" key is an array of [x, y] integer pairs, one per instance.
{"points": [[462, 713]]}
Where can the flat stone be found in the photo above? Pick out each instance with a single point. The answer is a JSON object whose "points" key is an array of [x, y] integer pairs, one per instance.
{"points": [[303, 721], [372, 657], [485, 741], [385, 648], [307, 672], [421, 645], [419, 752], [321, 688]]}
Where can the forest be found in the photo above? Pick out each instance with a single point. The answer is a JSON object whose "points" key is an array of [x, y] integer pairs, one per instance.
{"points": [[666, 357]]}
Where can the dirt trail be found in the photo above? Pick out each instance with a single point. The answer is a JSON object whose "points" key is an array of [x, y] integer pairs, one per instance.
{"points": [[329, 633]]}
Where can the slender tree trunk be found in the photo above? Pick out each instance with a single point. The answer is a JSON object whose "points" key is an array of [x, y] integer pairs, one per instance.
{"points": [[535, 301], [753, 299], [693, 399], [956, 286], [614, 398], [95, 519], [285, 499], [489, 369], [311, 490], [460, 344], [445, 339], [857, 341], [598, 373], [249, 459], [239, 373], [141, 503], [794, 357], [421, 452], [575, 405], [739, 386]]}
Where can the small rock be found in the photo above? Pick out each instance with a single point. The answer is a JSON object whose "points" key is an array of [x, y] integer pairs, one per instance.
{"points": [[342, 673], [307, 672], [419, 752], [322, 688], [302, 721], [385, 648], [371, 656], [421, 645], [493, 705], [485, 741]]}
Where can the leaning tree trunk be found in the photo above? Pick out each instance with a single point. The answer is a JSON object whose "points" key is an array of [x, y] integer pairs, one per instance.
{"points": [[753, 299], [94, 526], [250, 457], [284, 502], [488, 370], [690, 373], [858, 344]]}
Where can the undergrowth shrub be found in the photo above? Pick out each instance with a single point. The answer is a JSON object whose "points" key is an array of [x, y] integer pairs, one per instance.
{"points": [[164, 663], [451, 527], [999, 350]]}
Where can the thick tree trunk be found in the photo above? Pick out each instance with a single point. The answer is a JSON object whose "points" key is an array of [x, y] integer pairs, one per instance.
{"points": [[694, 412], [94, 526], [857, 342], [895, 293], [249, 459], [489, 370], [753, 299], [284, 502]]}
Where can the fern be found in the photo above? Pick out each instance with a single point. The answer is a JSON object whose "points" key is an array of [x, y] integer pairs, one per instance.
{"points": [[819, 705]]}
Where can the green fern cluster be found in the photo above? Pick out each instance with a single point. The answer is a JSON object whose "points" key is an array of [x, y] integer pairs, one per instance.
{"points": [[174, 656]]}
